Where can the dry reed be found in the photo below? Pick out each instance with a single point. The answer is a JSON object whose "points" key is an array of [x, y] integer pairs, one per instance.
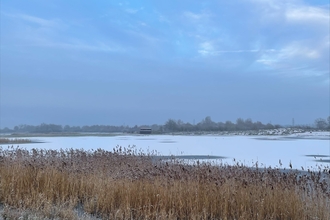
{"points": [[14, 141], [127, 184]]}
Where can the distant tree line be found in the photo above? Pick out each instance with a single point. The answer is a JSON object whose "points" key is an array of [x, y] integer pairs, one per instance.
{"points": [[208, 125], [171, 125], [241, 125], [53, 128]]}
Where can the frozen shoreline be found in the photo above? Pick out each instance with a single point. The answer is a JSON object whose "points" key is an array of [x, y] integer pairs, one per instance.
{"points": [[302, 150]]}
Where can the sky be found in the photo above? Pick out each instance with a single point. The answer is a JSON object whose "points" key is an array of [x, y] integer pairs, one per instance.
{"points": [[144, 62]]}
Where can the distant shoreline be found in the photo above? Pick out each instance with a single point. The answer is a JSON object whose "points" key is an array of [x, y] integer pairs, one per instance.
{"points": [[289, 133]]}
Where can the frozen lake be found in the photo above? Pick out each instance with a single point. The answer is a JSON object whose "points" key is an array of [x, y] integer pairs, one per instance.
{"points": [[302, 150]]}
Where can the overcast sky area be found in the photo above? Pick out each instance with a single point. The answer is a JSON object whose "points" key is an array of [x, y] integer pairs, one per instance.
{"points": [[143, 62]]}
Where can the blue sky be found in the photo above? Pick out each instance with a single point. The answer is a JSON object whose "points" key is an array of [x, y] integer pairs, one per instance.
{"points": [[143, 62]]}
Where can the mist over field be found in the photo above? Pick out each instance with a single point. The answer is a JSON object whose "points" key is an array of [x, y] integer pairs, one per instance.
{"points": [[142, 63]]}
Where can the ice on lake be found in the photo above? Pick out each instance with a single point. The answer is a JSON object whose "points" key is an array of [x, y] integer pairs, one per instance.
{"points": [[301, 150]]}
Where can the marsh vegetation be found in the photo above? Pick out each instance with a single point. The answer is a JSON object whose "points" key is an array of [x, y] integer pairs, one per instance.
{"points": [[15, 141], [129, 184]]}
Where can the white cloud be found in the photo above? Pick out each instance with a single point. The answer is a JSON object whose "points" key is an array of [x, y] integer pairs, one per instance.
{"points": [[267, 62], [292, 12], [206, 48], [302, 36], [298, 58], [298, 40], [299, 49], [308, 14], [196, 16]]}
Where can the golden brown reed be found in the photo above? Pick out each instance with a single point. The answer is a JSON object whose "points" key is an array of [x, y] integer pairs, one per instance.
{"points": [[127, 184]]}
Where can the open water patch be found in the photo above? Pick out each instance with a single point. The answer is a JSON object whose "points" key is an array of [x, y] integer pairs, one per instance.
{"points": [[167, 141], [323, 161], [123, 138], [321, 138], [274, 139], [317, 155], [145, 139]]}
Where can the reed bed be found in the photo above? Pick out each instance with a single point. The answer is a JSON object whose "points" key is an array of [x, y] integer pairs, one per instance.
{"points": [[14, 141], [128, 184]]}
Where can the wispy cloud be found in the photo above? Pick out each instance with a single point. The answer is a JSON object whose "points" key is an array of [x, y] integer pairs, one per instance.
{"points": [[245, 51], [133, 10], [298, 59], [208, 48], [299, 49], [196, 16], [78, 45], [296, 33], [37, 20], [308, 14], [49, 23], [83, 46], [162, 18], [52, 33]]}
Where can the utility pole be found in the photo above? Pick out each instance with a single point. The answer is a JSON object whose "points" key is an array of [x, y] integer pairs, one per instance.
{"points": [[292, 122]]}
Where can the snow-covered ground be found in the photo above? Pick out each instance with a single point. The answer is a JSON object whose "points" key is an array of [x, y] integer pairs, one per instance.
{"points": [[308, 150]]}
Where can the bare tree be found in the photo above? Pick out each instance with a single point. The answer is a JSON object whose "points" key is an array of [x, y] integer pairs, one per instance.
{"points": [[321, 123]]}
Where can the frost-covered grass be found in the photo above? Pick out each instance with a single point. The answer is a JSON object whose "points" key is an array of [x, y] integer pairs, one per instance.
{"points": [[128, 184]]}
